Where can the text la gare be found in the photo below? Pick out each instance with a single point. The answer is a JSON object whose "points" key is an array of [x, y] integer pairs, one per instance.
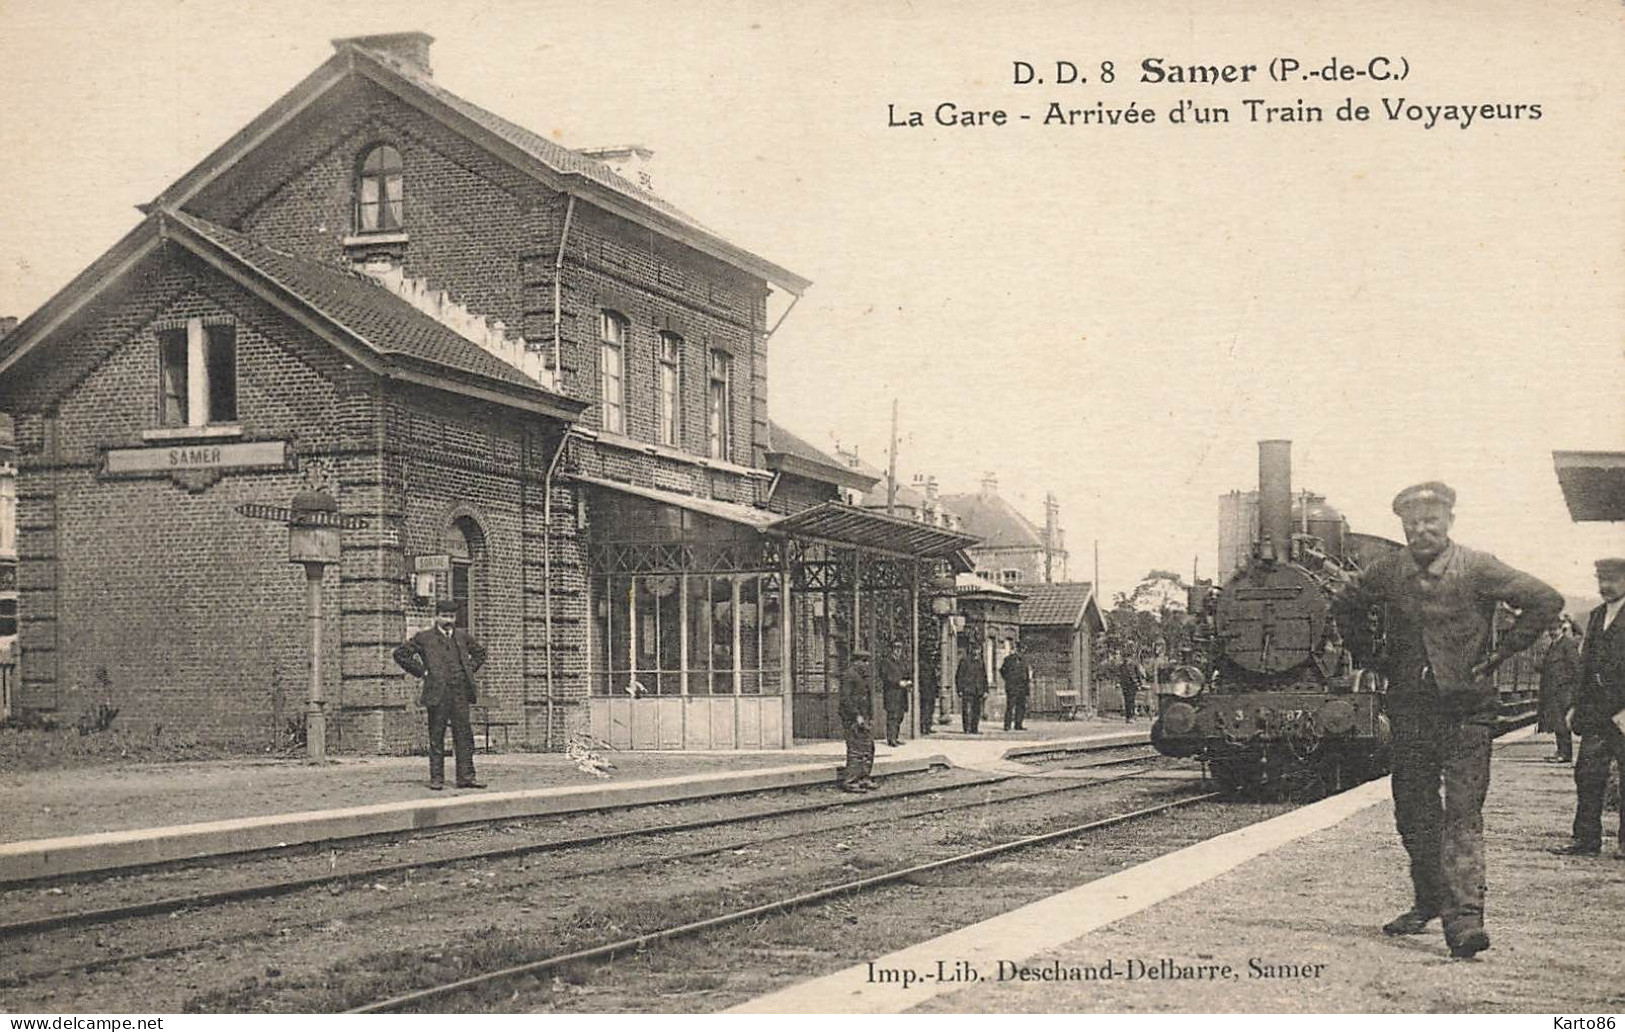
{"points": [[946, 113]]}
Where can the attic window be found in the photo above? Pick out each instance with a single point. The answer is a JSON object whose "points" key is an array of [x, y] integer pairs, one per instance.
{"points": [[378, 204], [197, 374]]}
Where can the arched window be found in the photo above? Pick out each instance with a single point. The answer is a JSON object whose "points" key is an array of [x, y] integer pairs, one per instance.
{"points": [[465, 544], [378, 206], [613, 330]]}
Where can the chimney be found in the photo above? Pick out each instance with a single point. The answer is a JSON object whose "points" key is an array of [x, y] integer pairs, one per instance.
{"points": [[990, 484], [407, 50], [631, 162], [1275, 497]]}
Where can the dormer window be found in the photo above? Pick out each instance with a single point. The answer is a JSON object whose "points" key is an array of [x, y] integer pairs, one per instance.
{"points": [[378, 206]]}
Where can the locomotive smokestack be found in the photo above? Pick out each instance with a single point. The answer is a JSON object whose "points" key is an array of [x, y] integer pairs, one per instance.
{"points": [[1275, 496]]}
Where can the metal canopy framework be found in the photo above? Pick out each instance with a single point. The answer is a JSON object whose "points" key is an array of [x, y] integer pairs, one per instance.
{"points": [[851, 527], [1593, 483]]}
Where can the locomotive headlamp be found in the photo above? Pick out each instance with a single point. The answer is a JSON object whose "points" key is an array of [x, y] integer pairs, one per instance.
{"points": [[1186, 681]]}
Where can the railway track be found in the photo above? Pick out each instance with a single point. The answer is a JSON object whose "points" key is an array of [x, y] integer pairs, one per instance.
{"points": [[279, 887], [608, 951], [197, 903]]}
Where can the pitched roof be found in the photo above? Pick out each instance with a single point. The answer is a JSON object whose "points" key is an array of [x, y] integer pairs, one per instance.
{"points": [[560, 167], [792, 454], [974, 584], [380, 330], [994, 520], [1055, 604], [372, 314]]}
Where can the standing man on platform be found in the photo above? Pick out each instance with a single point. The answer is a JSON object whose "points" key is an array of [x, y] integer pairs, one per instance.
{"points": [[857, 703], [1018, 679], [971, 679], [1559, 673], [1440, 658], [447, 658], [896, 685], [1129, 676], [1599, 712]]}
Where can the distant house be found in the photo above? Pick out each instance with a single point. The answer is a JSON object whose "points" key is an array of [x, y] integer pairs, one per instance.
{"points": [[1013, 549], [1058, 626]]}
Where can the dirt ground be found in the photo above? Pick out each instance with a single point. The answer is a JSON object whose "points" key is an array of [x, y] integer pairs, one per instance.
{"points": [[1554, 924]]}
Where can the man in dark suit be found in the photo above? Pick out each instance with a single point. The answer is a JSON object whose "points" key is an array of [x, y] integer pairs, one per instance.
{"points": [[446, 657], [1599, 712], [1559, 671], [1018, 679], [970, 677], [896, 685]]}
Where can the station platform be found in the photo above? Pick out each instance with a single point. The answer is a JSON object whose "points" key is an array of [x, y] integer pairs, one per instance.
{"points": [[1286, 916], [80, 820]]}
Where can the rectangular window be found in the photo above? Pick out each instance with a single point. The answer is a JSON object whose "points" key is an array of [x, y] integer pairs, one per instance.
{"points": [[172, 374], [671, 357], [720, 404], [8, 617], [197, 374], [612, 334], [728, 627]]}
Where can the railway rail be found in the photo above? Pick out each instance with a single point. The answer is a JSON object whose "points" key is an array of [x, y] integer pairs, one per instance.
{"points": [[202, 901], [279, 887], [610, 950]]}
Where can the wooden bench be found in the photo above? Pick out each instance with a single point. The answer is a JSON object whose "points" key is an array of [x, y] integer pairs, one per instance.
{"points": [[480, 717], [1067, 703]]}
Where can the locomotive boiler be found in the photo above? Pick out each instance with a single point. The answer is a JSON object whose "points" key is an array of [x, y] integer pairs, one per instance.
{"points": [[1278, 694]]}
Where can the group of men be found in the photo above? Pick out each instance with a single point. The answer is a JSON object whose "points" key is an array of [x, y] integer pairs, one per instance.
{"points": [[1439, 659], [894, 673]]}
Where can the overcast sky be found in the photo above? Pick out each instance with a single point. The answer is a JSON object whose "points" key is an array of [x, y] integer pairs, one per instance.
{"points": [[1114, 313]]}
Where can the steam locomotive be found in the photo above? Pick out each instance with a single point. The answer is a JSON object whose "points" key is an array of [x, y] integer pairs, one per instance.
{"points": [[1275, 694]]}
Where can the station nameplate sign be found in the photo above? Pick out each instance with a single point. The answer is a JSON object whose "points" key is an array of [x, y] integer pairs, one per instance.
{"points": [[432, 564], [180, 457]]}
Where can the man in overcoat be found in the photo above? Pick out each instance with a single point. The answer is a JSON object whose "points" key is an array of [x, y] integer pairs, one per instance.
{"points": [[857, 703], [446, 657], [1440, 655], [896, 685], [1129, 675], [1599, 712], [1559, 673], [1018, 679], [970, 678]]}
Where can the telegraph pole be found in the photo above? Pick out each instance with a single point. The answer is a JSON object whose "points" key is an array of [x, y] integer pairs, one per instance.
{"points": [[891, 463]]}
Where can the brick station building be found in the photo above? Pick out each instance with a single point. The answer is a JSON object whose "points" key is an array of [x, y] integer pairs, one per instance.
{"points": [[542, 386]]}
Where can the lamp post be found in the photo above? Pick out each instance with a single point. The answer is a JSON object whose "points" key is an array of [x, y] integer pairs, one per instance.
{"points": [[313, 541]]}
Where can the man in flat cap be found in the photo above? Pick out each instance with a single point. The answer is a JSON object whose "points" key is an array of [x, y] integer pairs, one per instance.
{"points": [[1439, 656], [446, 657], [857, 705], [1599, 711]]}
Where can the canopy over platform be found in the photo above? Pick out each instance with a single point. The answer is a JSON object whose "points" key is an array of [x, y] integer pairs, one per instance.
{"points": [[852, 527], [1593, 483]]}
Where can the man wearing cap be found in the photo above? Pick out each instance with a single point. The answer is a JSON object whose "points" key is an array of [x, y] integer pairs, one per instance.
{"points": [[446, 657], [970, 677], [1439, 601], [1559, 672], [857, 703], [1599, 712], [896, 685]]}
